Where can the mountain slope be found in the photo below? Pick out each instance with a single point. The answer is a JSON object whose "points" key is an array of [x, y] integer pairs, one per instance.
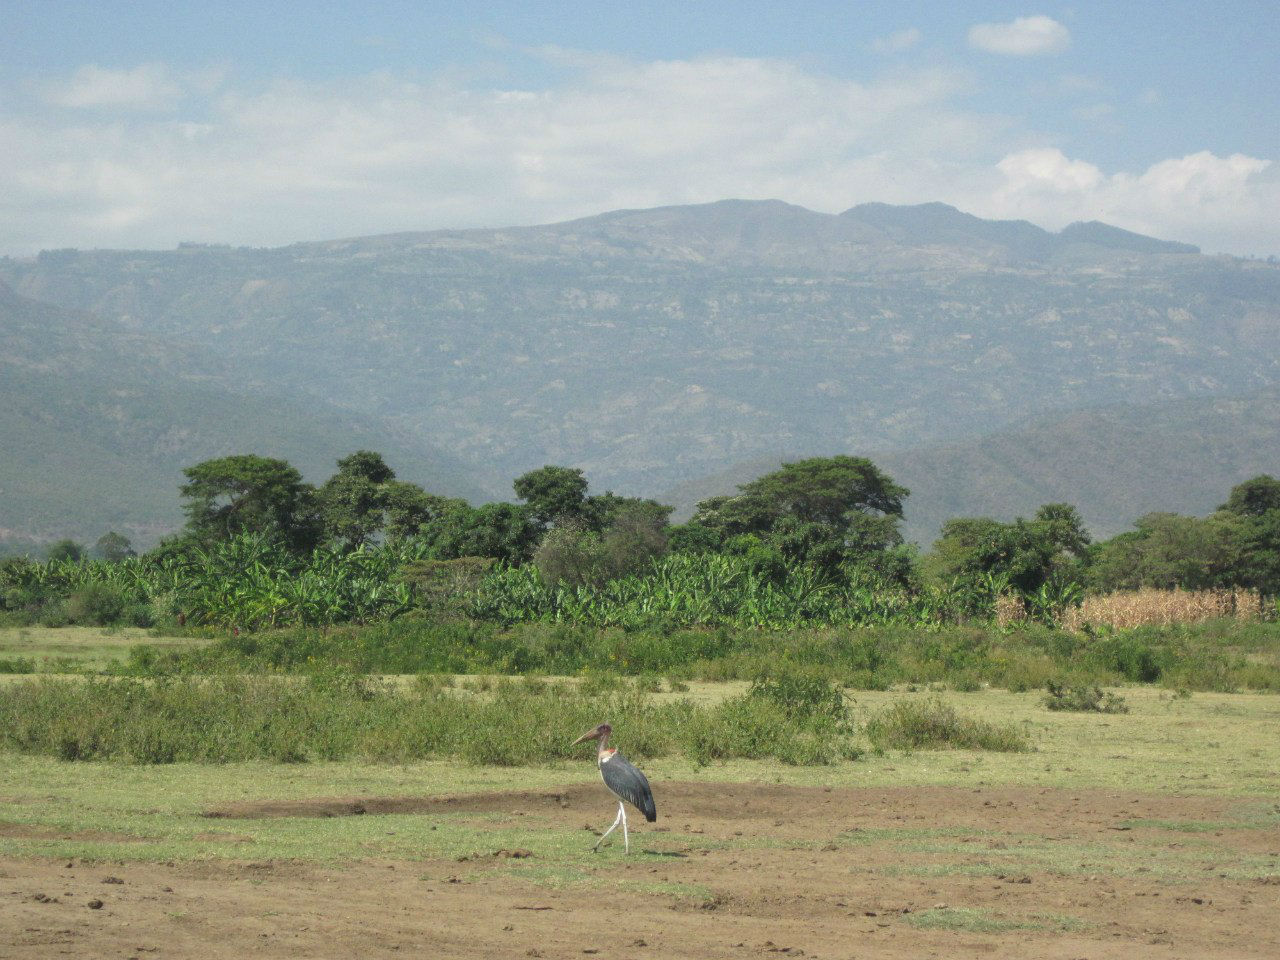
{"points": [[651, 347], [97, 424], [1114, 463]]}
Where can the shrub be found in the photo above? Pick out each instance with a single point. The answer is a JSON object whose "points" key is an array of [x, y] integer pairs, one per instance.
{"points": [[333, 716], [1131, 657], [931, 725], [1083, 699], [96, 604], [801, 694]]}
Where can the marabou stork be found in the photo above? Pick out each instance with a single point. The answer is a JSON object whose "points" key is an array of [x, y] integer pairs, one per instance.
{"points": [[628, 784]]}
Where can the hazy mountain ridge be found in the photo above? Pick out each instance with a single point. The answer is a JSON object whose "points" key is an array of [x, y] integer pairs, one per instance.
{"points": [[1116, 463], [97, 424], [653, 347]]}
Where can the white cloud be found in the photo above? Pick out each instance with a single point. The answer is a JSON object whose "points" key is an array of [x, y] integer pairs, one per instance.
{"points": [[295, 161], [1023, 37], [149, 86], [1047, 170], [380, 153], [897, 42], [1221, 203]]}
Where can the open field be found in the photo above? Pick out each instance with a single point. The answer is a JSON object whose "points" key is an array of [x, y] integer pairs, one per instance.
{"points": [[1153, 833], [75, 649]]}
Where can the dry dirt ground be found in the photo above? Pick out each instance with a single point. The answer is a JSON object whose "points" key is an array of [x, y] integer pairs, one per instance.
{"points": [[729, 870]]}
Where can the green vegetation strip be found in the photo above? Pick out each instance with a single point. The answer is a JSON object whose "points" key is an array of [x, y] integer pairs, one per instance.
{"points": [[335, 716]]}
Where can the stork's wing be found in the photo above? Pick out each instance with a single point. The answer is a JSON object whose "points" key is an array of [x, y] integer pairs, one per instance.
{"points": [[629, 784]]}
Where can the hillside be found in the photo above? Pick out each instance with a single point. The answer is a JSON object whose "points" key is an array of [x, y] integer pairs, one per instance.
{"points": [[655, 347], [1115, 463], [97, 424]]}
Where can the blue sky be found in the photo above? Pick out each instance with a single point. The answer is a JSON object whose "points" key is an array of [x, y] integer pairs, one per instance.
{"points": [[146, 124]]}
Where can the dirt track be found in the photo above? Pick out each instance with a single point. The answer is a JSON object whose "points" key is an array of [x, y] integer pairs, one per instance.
{"points": [[770, 886]]}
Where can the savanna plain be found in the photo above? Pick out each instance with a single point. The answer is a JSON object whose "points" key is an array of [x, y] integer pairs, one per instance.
{"points": [[1067, 833]]}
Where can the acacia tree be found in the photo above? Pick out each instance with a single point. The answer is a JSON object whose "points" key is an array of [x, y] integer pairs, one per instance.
{"points": [[821, 511], [247, 493]]}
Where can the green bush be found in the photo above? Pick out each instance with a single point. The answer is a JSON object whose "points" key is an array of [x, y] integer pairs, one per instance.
{"points": [[1130, 656], [1083, 699], [97, 604], [801, 694], [331, 716], [931, 724]]}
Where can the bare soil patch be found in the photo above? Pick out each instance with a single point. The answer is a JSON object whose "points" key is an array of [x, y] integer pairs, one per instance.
{"points": [[785, 872]]}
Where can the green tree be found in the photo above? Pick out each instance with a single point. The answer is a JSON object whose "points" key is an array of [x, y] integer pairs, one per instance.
{"points": [[1256, 505], [829, 490], [553, 493], [113, 547], [604, 511], [1255, 497], [409, 510], [1026, 554], [247, 493], [1167, 550], [693, 538], [65, 550], [353, 501], [574, 553], [822, 511], [504, 531]]}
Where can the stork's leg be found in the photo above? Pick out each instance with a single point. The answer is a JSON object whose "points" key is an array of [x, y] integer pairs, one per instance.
{"points": [[620, 818], [626, 841]]}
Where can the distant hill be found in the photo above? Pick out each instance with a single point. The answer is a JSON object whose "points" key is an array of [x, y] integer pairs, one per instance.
{"points": [[1115, 463], [936, 224], [97, 423], [655, 347]]}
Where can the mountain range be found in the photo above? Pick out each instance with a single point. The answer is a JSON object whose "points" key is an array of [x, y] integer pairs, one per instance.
{"points": [[989, 363]]}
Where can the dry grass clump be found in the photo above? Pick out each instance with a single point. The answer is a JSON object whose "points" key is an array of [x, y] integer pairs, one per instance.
{"points": [[1151, 607], [1010, 609]]}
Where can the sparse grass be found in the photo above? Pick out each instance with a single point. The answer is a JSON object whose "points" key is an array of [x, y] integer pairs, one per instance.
{"points": [[946, 853], [932, 724], [1214, 655], [978, 920], [38, 649], [1225, 745]]}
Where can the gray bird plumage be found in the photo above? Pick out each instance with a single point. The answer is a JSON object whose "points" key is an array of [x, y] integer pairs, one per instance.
{"points": [[628, 783], [624, 781]]}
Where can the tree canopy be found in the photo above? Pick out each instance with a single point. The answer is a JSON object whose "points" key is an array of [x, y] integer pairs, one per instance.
{"points": [[250, 494]]}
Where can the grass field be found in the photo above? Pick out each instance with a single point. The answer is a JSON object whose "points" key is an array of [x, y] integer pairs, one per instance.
{"points": [[1150, 833], [77, 649], [1218, 745]]}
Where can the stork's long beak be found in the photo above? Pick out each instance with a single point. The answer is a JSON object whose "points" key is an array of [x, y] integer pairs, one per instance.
{"points": [[589, 735]]}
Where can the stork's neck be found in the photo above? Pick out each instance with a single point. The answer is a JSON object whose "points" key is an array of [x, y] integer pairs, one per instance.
{"points": [[604, 746]]}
